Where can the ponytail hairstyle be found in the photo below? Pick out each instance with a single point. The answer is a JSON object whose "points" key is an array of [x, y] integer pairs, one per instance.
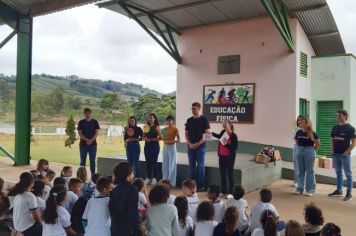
{"points": [[181, 203], [309, 128], [56, 197], [26, 181], [231, 218], [269, 223]]}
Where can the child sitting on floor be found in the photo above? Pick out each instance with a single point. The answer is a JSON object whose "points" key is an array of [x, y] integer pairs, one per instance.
{"points": [[219, 206], [189, 190], [96, 215]]}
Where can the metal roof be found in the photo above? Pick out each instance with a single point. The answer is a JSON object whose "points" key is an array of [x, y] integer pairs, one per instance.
{"points": [[314, 16], [42, 7]]}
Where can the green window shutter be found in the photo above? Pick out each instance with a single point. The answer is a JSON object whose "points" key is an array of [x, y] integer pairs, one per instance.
{"points": [[326, 119], [303, 67], [303, 107]]}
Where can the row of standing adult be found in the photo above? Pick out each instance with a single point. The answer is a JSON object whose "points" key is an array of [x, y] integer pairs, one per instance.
{"points": [[343, 140], [196, 128]]}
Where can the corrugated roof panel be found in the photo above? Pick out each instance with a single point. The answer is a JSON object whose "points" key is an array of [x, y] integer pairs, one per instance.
{"points": [[300, 4], [207, 14], [327, 45], [180, 19], [317, 21], [237, 9], [152, 4]]}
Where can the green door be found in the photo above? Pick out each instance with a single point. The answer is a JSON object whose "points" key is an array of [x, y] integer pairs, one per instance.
{"points": [[326, 119]]}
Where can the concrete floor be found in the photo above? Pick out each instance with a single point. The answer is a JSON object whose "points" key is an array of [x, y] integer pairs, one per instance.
{"points": [[289, 205]]}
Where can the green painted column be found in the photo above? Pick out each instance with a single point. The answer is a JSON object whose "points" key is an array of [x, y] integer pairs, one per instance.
{"points": [[23, 91]]}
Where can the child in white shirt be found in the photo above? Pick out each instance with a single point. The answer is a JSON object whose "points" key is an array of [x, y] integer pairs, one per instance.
{"points": [[259, 207], [56, 219], [219, 206], [96, 214], [66, 174], [241, 206], [186, 224], [74, 187], [25, 216], [268, 225], [205, 219], [188, 189]]}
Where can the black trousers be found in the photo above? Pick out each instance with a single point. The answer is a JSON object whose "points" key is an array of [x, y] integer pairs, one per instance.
{"points": [[226, 166], [34, 230]]}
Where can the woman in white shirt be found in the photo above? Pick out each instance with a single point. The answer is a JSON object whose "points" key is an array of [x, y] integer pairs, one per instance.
{"points": [[25, 216], [205, 219], [56, 219], [186, 224]]}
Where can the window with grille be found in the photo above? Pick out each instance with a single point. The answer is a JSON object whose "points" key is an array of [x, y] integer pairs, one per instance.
{"points": [[303, 65]]}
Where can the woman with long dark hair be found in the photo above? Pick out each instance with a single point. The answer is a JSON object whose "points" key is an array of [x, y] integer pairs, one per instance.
{"points": [[133, 134], [152, 135], [227, 153], [25, 216], [307, 143], [56, 219]]}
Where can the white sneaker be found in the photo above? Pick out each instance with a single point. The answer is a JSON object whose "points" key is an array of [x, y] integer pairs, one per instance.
{"points": [[308, 194], [298, 192], [147, 181], [154, 181]]}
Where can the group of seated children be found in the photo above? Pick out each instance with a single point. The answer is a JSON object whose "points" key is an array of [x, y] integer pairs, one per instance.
{"points": [[40, 204]]}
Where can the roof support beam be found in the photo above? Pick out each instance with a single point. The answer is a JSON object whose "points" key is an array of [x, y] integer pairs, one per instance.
{"points": [[278, 14], [22, 25], [169, 44], [8, 38]]}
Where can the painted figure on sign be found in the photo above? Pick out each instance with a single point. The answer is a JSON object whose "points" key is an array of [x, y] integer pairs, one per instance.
{"points": [[247, 92], [210, 96]]}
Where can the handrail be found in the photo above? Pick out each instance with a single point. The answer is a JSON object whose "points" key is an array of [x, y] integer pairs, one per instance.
{"points": [[8, 153]]}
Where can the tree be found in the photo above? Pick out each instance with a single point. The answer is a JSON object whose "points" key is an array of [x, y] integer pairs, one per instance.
{"points": [[70, 132]]}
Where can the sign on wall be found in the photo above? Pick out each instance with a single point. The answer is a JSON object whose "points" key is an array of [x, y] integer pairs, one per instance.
{"points": [[235, 102]]}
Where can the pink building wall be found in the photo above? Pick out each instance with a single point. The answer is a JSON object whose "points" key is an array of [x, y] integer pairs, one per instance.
{"points": [[265, 60]]}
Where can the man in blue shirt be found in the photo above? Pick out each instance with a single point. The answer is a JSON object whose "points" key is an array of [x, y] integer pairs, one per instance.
{"points": [[343, 141], [88, 130]]}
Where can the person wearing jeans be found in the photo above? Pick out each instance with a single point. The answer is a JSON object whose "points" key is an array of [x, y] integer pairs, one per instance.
{"points": [[295, 161], [307, 142], [195, 127], [133, 134], [343, 141], [227, 154], [88, 130]]}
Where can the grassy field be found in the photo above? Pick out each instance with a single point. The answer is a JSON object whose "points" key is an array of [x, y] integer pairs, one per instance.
{"points": [[52, 148]]}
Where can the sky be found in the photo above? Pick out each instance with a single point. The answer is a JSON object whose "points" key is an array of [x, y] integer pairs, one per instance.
{"points": [[96, 43]]}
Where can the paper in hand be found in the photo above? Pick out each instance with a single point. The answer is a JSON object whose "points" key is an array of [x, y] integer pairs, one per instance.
{"points": [[224, 138]]}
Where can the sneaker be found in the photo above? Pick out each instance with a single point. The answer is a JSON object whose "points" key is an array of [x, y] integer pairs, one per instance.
{"points": [[295, 185], [309, 194], [298, 192], [147, 181], [154, 181], [336, 193], [348, 197]]}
